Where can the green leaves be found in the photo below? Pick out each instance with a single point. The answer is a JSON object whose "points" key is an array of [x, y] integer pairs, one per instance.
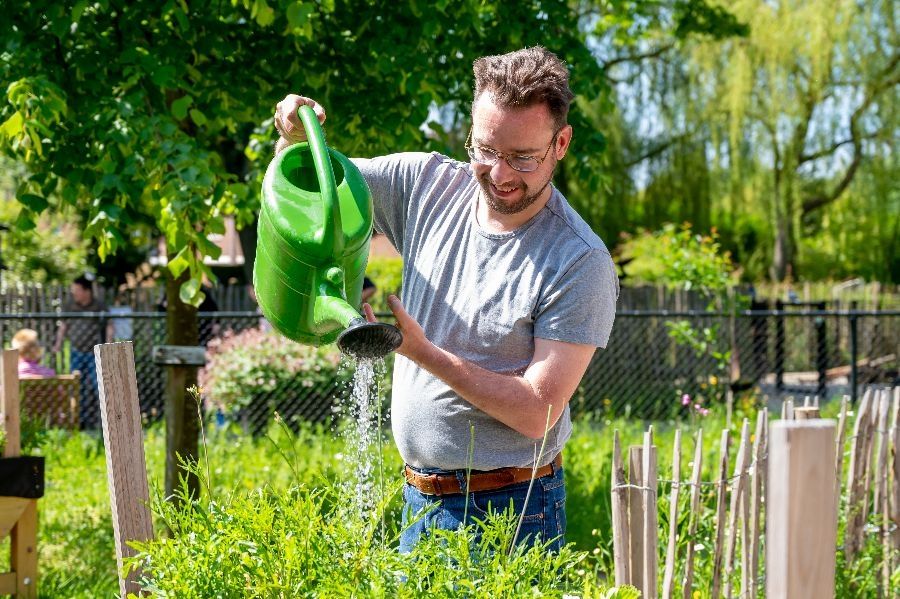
{"points": [[180, 107]]}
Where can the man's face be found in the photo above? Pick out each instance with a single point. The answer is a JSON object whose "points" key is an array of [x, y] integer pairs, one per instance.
{"points": [[525, 131], [80, 294]]}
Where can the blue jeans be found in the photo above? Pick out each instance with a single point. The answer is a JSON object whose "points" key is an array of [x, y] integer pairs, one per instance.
{"points": [[88, 403], [545, 515]]}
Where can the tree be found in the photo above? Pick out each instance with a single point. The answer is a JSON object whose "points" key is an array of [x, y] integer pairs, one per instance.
{"points": [[764, 134], [145, 114]]}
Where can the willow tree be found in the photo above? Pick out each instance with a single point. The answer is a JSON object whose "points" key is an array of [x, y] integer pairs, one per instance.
{"points": [[803, 102]]}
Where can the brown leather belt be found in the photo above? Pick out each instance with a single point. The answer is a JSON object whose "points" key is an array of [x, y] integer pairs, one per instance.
{"points": [[486, 480]]}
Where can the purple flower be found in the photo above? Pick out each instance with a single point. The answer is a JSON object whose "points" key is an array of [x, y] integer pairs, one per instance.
{"points": [[685, 399]]}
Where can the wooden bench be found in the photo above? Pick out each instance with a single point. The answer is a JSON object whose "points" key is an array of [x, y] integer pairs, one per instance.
{"points": [[53, 401], [18, 515]]}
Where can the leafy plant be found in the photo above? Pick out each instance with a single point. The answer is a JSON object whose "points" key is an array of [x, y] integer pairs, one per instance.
{"points": [[250, 367]]}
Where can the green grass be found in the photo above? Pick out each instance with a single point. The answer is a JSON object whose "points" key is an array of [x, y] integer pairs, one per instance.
{"points": [[282, 494]]}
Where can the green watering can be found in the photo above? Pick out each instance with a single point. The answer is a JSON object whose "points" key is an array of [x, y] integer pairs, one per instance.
{"points": [[315, 224]]}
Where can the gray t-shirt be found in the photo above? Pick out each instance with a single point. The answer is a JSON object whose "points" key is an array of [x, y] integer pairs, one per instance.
{"points": [[484, 297]]}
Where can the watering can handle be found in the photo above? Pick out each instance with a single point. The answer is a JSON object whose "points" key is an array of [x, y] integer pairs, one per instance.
{"points": [[331, 236]]}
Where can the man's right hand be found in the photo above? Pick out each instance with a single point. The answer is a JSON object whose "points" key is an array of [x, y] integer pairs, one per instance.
{"points": [[287, 121]]}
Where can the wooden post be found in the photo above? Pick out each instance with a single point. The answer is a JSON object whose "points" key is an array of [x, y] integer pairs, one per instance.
{"points": [[636, 515], [839, 450], [669, 574], [895, 467], [880, 473], [688, 583], [9, 387], [124, 441], [651, 527], [737, 489], [756, 489], [854, 478], [881, 495], [720, 515], [802, 529], [620, 517]]}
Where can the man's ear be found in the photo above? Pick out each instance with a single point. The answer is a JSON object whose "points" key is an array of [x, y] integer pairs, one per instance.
{"points": [[563, 139]]}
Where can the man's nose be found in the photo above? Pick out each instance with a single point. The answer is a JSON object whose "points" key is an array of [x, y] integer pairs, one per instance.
{"points": [[501, 172]]}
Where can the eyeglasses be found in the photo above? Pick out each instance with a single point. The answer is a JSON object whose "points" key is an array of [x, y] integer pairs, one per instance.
{"points": [[489, 157]]}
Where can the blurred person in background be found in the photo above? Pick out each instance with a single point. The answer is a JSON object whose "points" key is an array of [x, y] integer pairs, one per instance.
{"points": [[30, 352], [83, 335]]}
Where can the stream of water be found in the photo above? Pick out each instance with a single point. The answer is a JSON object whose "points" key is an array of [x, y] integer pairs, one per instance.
{"points": [[363, 436]]}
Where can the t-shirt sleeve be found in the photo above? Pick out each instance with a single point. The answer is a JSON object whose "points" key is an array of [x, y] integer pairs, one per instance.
{"points": [[581, 304], [392, 179]]}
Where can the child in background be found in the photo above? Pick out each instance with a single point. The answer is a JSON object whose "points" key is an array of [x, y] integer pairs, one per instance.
{"points": [[30, 351]]}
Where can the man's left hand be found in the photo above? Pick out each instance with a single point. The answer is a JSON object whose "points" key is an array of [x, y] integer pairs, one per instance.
{"points": [[415, 345]]}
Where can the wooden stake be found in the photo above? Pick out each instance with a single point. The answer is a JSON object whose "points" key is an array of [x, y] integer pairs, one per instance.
{"points": [[756, 479], [620, 516], [880, 473], [636, 515], [669, 575], [124, 441], [801, 511], [839, 450], [687, 586], [882, 492], [720, 515], [854, 477], [806, 413], [737, 488], [895, 468], [651, 527]]}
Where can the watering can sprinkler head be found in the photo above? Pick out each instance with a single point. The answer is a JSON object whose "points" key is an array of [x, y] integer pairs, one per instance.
{"points": [[363, 339]]}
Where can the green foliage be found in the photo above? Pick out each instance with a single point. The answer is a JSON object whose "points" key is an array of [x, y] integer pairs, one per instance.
{"points": [[139, 116], [247, 368], [679, 258], [387, 274], [269, 543]]}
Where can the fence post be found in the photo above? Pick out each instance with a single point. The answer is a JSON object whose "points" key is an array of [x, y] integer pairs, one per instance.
{"points": [[821, 350], [129, 494], [802, 522], [779, 346]]}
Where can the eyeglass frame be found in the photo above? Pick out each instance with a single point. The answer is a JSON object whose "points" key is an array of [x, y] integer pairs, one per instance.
{"points": [[506, 156]]}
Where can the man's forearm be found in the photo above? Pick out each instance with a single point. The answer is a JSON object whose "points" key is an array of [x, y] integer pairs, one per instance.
{"points": [[510, 399]]}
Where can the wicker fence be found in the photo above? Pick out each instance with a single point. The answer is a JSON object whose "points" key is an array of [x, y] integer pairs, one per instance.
{"points": [[652, 361]]}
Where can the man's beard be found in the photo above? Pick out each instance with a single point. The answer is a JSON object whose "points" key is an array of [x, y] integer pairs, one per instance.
{"points": [[523, 203]]}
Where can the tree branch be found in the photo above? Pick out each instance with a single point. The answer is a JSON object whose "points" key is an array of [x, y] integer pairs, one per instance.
{"points": [[637, 57], [891, 78]]}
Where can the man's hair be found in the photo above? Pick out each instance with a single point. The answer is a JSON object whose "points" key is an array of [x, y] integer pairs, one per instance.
{"points": [[84, 283], [525, 78]]}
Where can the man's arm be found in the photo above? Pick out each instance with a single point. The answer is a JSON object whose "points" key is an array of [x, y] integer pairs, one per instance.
{"points": [[520, 402], [60, 337]]}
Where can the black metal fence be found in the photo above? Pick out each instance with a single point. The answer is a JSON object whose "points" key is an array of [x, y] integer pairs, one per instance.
{"points": [[654, 360]]}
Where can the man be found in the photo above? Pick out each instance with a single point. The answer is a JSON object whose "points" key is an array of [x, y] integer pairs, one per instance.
{"points": [[506, 294], [83, 334]]}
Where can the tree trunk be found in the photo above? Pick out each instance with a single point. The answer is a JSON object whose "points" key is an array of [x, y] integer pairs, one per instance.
{"points": [[182, 418]]}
